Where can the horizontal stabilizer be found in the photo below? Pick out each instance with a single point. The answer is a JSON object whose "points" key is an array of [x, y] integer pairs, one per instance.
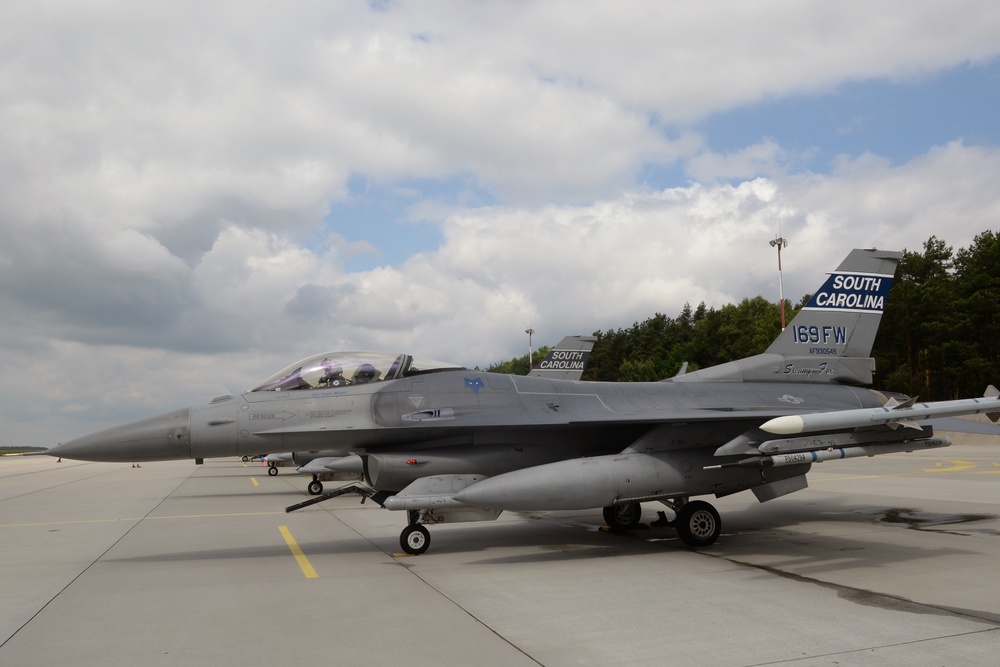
{"points": [[960, 425]]}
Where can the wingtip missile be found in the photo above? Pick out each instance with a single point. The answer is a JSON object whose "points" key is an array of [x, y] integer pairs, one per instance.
{"points": [[787, 425], [895, 416]]}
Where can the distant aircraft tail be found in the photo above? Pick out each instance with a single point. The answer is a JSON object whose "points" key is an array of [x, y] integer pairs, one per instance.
{"points": [[831, 338], [566, 360]]}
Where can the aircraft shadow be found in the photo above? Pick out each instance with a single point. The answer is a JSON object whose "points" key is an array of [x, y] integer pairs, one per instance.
{"points": [[825, 538], [277, 551]]}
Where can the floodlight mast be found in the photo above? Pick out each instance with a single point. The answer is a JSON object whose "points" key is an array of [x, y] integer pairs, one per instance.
{"points": [[530, 333], [779, 243]]}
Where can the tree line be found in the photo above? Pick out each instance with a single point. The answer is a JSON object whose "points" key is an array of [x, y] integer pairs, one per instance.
{"points": [[938, 339]]}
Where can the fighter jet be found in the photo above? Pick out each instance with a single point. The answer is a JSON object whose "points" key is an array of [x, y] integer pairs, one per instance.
{"points": [[444, 443]]}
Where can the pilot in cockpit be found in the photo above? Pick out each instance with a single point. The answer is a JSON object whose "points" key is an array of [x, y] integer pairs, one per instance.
{"points": [[333, 374], [366, 373]]}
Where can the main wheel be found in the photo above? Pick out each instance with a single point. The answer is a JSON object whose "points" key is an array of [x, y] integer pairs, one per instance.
{"points": [[623, 517], [245, 459], [315, 488], [415, 539], [272, 470], [698, 524]]}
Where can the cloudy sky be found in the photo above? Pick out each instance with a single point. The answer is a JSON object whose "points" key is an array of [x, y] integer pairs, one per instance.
{"points": [[195, 194]]}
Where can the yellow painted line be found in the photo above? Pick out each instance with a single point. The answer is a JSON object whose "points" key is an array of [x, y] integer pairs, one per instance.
{"points": [[989, 472], [957, 466], [300, 558], [254, 480]]}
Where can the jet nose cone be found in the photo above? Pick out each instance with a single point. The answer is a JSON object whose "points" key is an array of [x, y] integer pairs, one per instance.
{"points": [[158, 438]]}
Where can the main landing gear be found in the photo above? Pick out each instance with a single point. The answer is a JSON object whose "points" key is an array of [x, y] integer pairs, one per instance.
{"points": [[621, 518], [697, 524]]}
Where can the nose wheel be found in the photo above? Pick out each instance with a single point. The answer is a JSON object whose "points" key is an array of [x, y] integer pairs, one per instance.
{"points": [[415, 539]]}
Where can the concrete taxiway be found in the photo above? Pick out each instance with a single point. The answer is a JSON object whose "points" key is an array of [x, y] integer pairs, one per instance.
{"points": [[888, 561]]}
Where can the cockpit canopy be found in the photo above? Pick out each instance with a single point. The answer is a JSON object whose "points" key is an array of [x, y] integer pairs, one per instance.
{"points": [[344, 369]]}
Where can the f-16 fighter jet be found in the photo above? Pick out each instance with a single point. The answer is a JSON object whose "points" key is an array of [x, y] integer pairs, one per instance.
{"points": [[443, 443]]}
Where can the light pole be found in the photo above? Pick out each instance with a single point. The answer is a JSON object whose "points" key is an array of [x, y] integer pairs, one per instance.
{"points": [[530, 333], [779, 242]]}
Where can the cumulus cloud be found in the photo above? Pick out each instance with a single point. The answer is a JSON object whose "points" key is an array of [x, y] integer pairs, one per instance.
{"points": [[766, 158], [561, 269], [167, 173]]}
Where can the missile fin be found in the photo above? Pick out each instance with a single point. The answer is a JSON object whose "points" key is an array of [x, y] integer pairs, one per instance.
{"points": [[895, 404], [992, 392]]}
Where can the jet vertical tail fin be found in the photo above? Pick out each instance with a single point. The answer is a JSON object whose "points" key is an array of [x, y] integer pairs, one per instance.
{"points": [[842, 318], [566, 360], [831, 338]]}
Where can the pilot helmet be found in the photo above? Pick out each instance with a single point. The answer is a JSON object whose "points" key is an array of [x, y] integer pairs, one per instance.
{"points": [[331, 368], [365, 373]]}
